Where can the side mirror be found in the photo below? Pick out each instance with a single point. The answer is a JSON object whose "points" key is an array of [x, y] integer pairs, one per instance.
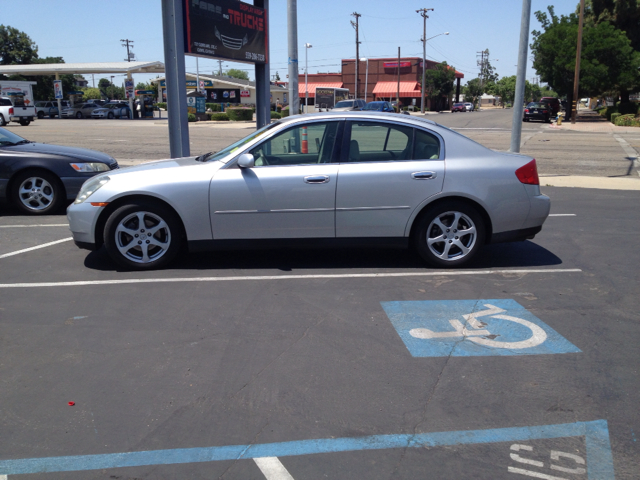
{"points": [[246, 160]]}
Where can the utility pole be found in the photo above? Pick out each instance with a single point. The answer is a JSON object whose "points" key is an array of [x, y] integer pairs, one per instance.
{"points": [[127, 44], [220, 67], [576, 78], [398, 90], [292, 21], [355, 25], [481, 64], [423, 13], [518, 101]]}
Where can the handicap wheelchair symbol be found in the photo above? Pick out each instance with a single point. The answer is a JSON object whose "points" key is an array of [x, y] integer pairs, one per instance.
{"points": [[481, 336], [494, 327]]}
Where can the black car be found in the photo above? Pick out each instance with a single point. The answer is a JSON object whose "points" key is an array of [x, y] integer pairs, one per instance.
{"points": [[37, 178], [537, 111]]}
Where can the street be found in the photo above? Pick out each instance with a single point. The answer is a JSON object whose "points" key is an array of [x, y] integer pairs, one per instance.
{"points": [[346, 363]]}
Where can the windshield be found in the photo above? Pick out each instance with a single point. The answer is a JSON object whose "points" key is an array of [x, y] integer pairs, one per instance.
{"points": [[372, 106], [9, 138], [235, 146], [344, 104]]}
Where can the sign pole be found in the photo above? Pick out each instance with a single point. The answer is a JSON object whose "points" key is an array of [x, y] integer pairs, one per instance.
{"points": [[263, 82], [175, 78]]}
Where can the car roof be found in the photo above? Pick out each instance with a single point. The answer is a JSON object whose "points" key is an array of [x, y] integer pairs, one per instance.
{"points": [[363, 115]]}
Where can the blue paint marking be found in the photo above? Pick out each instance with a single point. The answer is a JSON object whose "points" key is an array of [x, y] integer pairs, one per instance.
{"points": [[596, 433], [464, 328]]}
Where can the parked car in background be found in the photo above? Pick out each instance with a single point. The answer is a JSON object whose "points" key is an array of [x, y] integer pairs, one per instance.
{"points": [[112, 110], [469, 106], [458, 107], [14, 110], [554, 104], [349, 105], [537, 111], [100, 103], [378, 107], [79, 110], [362, 178], [46, 109], [38, 178]]}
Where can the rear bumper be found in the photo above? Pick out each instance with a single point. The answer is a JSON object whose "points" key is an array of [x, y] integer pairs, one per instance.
{"points": [[515, 235]]}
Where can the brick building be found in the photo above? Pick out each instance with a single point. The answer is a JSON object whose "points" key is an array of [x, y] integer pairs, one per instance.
{"points": [[382, 81]]}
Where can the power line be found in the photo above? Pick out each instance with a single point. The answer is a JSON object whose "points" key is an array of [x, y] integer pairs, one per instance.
{"points": [[130, 55]]}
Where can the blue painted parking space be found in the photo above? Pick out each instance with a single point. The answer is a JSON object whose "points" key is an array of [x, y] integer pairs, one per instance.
{"points": [[465, 328], [598, 464]]}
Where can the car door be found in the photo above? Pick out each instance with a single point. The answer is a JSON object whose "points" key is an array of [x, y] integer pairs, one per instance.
{"points": [[386, 171], [289, 193]]}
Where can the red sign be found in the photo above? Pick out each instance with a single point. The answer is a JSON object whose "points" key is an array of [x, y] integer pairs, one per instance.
{"points": [[395, 64], [245, 93]]}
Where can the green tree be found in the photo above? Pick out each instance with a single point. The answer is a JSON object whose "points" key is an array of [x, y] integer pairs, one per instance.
{"points": [[104, 83], [16, 48], [505, 88], [488, 72], [237, 73], [277, 76], [608, 61], [623, 14], [439, 83], [472, 90], [91, 93]]}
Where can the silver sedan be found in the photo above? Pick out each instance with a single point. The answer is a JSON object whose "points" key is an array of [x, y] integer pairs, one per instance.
{"points": [[336, 178]]}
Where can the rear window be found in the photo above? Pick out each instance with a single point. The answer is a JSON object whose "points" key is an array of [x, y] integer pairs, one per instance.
{"points": [[344, 103], [5, 102]]}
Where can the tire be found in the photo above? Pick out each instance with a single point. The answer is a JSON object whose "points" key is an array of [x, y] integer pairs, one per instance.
{"points": [[143, 235], [51, 115], [25, 123], [126, 115], [37, 192], [438, 222], [79, 115], [3, 122], [110, 115], [40, 115]]}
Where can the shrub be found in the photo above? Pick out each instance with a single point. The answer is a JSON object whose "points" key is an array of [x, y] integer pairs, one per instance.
{"points": [[285, 112], [161, 105], [192, 117], [610, 111], [215, 107], [239, 114], [628, 120], [276, 115], [614, 117], [219, 117]]}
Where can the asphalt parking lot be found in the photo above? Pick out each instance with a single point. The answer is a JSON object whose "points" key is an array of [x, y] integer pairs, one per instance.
{"points": [[310, 364]]}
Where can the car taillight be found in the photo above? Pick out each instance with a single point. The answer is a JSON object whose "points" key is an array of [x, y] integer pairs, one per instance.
{"points": [[544, 111], [526, 110], [11, 111], [528, 174]]}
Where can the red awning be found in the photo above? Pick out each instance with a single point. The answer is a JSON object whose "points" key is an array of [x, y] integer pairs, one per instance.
{"points": [[389, 89], [313, 86]]}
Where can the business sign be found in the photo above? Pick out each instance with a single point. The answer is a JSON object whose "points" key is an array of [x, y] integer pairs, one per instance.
{"points": [[245, 93], [57, 89], [191, 83], [225, 29], [395, 64], [128, 87]]}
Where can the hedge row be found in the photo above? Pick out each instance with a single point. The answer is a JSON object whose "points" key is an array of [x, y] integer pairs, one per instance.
{"points": [[628, 120], [218, 117], [240, 114]]}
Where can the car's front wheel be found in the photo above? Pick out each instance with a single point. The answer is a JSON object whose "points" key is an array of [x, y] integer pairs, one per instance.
{"points": [[3, 122], [79, 115], [37, 193], [449, 234], [143, 235], [110, 115], [40, 115]]}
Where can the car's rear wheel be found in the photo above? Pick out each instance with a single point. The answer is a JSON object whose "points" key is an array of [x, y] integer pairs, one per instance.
{"points": [[25, 123], [143, 235], [40, 115], [449, 234], [37, 193], [3, 122], [110, 115], [79, 115]]}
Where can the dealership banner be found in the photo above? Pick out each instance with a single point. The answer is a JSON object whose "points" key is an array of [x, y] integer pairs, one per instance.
{"points": [[225, 29]]}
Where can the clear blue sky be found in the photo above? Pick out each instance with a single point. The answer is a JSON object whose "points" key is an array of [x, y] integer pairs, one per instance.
{"points": [[90, 31]]}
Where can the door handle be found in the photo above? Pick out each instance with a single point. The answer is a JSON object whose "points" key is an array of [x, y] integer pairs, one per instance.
{"points": [[316, 179], [424, 175]]}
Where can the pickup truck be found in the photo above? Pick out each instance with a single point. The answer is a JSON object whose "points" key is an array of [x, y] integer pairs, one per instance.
{"points": [[16, 111]]}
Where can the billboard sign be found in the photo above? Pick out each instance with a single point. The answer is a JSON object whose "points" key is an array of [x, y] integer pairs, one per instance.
{"points": [[225, 29], [57, 88], [128, 87]]}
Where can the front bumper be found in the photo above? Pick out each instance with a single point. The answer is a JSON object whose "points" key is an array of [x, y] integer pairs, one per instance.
{"points": [[83, 218]]}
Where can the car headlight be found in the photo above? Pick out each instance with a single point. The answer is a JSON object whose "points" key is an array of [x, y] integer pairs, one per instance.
{"points": [[90, 187], [90, 167]]}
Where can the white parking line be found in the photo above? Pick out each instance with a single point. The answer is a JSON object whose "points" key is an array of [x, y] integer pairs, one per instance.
{"points": [[562, 214], [35, 248], [286, 277], [272, 468], [40, 225]]}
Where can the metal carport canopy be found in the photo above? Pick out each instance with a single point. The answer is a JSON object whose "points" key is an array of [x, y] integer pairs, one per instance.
{"points": [[80, 68]]}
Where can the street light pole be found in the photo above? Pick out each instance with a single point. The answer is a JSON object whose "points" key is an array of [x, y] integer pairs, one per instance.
{"points": [[366, 78], [423, 13], [307, 46]]}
